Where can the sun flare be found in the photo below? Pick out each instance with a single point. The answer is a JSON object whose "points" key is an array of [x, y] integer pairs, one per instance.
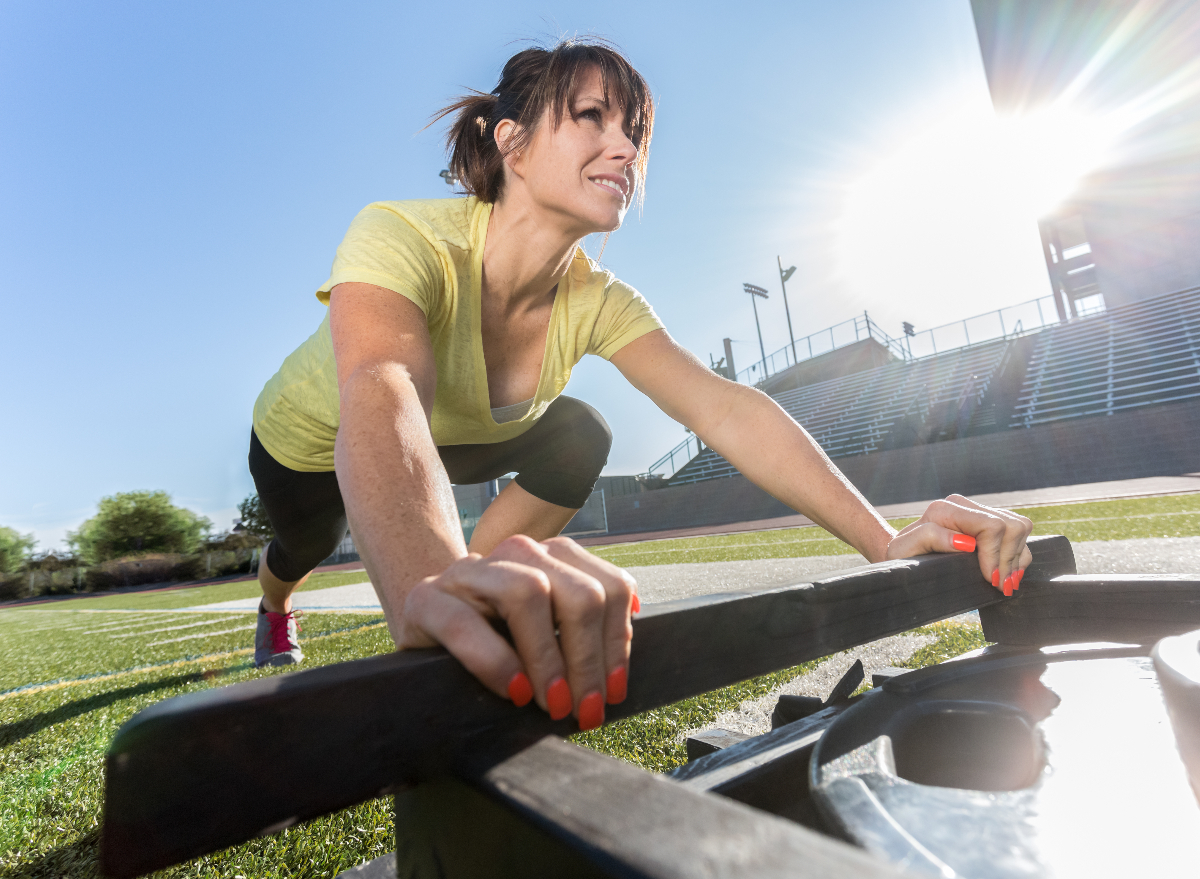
{"points": [[959, 195]]}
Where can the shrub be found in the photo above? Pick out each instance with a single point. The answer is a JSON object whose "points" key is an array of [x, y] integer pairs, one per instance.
{"points": [[14, 550], [254, 519], [138, 523]]}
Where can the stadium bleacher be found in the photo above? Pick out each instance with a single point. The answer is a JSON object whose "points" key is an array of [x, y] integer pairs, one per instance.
{"points": [[901, 403], [1136, 355], [1142, 354]]}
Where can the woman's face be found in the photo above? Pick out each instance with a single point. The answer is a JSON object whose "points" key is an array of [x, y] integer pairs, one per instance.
{"points": [[583, 170]]}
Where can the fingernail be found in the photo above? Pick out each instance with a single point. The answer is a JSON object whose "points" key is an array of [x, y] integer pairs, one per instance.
{"points": [[558, 698], [637, 604], [996, 578], [1018, 576], [616, 685], [1008, 586], [520, 690], [963, 542], [591, 711]]}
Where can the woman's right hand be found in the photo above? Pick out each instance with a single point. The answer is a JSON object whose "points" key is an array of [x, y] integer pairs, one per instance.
{"points": [[535, 588]]}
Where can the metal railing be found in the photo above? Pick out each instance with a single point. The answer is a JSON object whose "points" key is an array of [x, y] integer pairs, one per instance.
{"points": [[685, 453], [815, 344], [1003, 323]]}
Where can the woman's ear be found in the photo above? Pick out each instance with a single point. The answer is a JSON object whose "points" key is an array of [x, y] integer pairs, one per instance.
{"points": [[506, 129]]}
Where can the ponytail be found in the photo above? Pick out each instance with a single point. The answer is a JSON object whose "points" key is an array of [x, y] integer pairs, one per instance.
{"points": [[475, 157]]}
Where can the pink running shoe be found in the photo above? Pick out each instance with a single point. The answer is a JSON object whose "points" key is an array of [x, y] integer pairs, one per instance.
{"points": [[275, 641]]}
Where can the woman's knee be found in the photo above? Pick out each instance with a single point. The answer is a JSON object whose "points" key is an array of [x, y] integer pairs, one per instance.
{"points": [[590, 437]]}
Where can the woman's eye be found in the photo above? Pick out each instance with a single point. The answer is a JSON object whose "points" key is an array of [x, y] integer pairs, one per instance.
{"points": [[592, 114]]}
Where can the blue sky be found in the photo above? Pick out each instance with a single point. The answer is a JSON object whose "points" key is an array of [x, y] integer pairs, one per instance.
{"points": [[175, 178]]}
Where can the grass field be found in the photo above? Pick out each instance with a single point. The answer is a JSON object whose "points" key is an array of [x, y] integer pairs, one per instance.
{"points": [[71, 672], [1172, 516]]}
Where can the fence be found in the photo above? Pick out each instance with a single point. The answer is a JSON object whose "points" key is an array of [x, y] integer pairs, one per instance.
{"points": [[592, 518], [39, 578], [1003, 323], [822, 342]]}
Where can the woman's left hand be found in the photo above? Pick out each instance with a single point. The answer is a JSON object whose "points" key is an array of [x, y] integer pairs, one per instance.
{"points": [[958, 524]]}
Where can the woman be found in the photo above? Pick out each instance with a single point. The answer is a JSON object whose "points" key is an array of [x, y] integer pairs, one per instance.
{"points": [[453, 326]]}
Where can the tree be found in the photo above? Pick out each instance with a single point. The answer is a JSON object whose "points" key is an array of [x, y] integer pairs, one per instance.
{"points": [[254, 519], [15, 549], [137, 523]]}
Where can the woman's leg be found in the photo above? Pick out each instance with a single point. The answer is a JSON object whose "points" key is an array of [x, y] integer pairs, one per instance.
{"points": [[516, 511], [557, 462], [277, 594], [308, 518]]}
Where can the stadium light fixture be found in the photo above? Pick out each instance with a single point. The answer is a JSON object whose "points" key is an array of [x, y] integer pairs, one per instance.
{"points": [[754, 290], [784, 274]]}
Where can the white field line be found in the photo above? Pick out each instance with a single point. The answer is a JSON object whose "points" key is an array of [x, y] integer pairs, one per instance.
{"points": [[203, 635], [29, 689], [104, 630], [212, 622]]}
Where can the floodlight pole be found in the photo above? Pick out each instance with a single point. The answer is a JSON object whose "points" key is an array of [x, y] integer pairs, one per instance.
{"points": [[783, 276], [754, 290]]}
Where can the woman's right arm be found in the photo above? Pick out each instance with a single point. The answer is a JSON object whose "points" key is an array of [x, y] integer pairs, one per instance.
{"points": [[398, 499], [405, 522]]}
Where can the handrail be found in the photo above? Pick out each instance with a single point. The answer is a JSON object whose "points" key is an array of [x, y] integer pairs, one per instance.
{"points": [[684, 448], [838, 337]]}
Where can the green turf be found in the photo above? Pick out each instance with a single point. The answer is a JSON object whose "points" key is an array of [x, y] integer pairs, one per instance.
{"points": [[52, 742], [167, 599], [1172, 516]]}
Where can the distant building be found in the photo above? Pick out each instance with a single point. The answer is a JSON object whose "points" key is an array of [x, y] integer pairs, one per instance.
{"points": [[1131, 230]]}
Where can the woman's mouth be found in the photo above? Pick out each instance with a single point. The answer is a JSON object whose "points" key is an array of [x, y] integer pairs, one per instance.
{"points": [[611, 185]]}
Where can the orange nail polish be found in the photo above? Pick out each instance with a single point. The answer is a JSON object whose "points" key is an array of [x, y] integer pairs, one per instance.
{"points": [[520, 690], [591, 711], [637, 604], [996, 578], [558, 698], [616, 685], [963, 542], [1008, 586]]}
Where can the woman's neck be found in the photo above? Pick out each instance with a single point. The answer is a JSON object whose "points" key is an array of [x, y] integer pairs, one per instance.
{"points": [[525, 255]]}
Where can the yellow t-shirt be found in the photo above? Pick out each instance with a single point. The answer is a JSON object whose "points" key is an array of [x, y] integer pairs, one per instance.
{"points": [[431, 252]]}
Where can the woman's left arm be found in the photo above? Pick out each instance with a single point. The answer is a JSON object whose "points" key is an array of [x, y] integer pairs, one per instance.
{"points": [[764, 443]]}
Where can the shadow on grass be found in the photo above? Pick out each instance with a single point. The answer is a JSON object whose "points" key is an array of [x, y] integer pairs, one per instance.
{"points": [[79, 858], [11, 733]]}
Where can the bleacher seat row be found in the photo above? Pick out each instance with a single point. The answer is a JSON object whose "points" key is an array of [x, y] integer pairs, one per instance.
{"points": [[1137, 355]]}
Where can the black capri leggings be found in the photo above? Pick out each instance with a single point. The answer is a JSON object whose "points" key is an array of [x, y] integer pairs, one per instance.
{"points": [[557, 460]]}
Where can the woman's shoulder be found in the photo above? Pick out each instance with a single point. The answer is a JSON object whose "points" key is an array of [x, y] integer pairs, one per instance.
{"points": [[589, 276], [448, 221]]}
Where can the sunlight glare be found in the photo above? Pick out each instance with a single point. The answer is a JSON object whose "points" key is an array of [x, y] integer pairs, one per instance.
{"points": [[960, 195]]}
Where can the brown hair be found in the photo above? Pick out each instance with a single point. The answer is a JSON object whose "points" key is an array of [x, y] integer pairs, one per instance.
{"points": [[532, 81]]}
